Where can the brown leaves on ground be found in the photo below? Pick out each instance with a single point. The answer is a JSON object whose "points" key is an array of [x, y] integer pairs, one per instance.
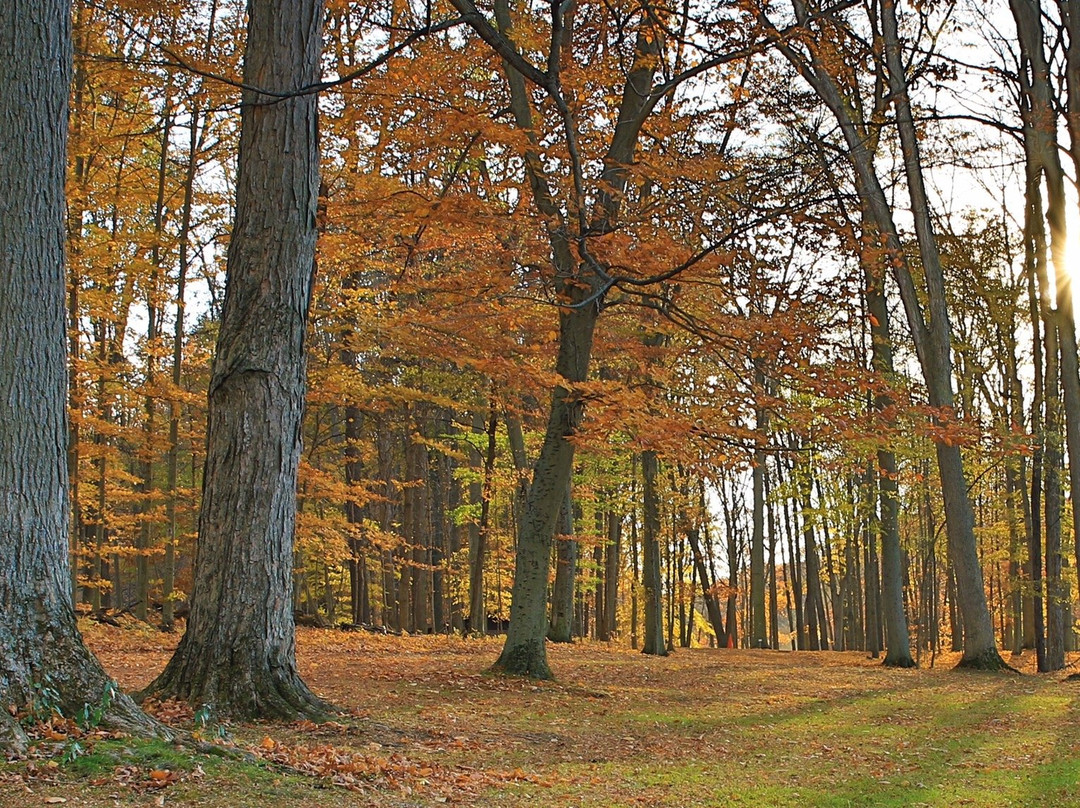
{"points": [[425, 724], [365, 771]]}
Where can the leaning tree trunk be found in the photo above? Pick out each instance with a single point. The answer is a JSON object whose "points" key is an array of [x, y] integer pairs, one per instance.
{"points": [[980, 647], [39, 642], [238, 654], [929, 321], [524, 653]]}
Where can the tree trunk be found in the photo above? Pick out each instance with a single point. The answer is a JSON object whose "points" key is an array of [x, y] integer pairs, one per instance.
{"points": [[758, 633], [561, 628], [238, 655], [39, 642], [708, 588], [653, 642], [612, 565], [980, 648], [929, 321], [897, 637]]}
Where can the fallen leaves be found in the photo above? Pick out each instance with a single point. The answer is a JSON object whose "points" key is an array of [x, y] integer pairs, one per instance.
{"points": [[357, 770]]}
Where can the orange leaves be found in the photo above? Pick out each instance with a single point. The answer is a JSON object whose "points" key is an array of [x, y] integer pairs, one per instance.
{"points": [[362, 770]]}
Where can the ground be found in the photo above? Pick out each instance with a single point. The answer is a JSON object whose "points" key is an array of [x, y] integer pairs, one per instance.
{"points": [[425, 725]]}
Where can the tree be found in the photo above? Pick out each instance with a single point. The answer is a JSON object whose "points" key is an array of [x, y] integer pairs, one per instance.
{"points": [[238, 654], [41, 646], [582, 183], [928, 321]]}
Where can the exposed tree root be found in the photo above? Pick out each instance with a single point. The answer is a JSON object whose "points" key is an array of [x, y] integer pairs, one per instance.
{"points": [[268, 694], [986, 661], [525, 659], [898, 662]]}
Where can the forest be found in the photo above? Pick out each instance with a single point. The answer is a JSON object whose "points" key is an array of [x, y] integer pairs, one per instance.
{"points": [[595, 325]]}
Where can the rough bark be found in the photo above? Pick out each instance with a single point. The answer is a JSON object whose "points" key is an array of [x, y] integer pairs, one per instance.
{"points": [[39, 642], [238, 654]]}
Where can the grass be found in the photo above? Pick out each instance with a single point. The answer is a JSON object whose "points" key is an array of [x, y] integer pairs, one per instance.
{"points": [[427, 726]]}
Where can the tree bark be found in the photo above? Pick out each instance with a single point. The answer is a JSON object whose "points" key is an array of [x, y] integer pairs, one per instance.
{"points": [[561, 628], [653, 642], [39, 642], [238, 656]]}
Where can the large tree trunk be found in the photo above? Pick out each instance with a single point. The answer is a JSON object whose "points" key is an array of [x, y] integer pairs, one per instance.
{"points": [[39, 643], [238, 654]]}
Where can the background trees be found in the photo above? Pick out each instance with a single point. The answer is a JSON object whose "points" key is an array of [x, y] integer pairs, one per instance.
{"points": [[735, 246]]}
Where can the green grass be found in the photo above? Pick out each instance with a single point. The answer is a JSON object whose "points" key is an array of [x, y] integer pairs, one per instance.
{"points": [[700, 728]]}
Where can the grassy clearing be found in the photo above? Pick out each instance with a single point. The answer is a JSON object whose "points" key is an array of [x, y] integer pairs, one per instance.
{"points": [[425, 725]]}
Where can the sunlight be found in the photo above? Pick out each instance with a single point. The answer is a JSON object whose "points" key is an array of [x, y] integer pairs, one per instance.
{"points": [[1072, 246]]}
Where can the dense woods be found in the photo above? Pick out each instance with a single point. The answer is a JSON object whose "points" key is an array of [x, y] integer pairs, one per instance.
{"points": [[733, 324]]}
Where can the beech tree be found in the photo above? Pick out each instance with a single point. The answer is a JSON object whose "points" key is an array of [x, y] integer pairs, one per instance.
{"points": [[817, 62], [238, 655], [582, 199], [41, 650]]}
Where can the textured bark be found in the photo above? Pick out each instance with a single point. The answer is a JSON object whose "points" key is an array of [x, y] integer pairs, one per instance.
{"points": [[238, 654], [39, 642]]}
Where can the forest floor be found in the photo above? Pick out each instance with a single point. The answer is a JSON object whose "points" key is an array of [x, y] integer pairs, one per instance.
{"points": [[424, 725]]}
